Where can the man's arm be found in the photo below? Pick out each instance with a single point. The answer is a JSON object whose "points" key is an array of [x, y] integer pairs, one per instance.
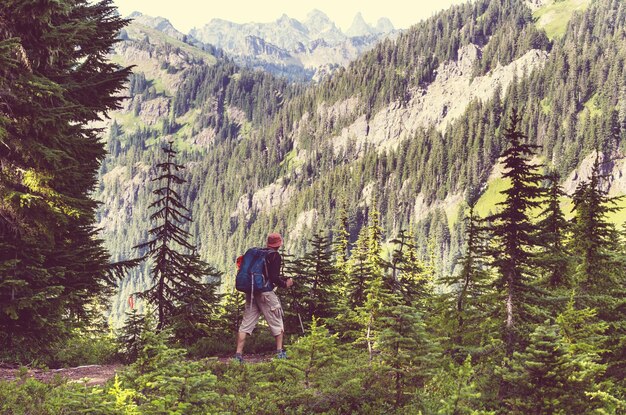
{"points": [[274, 262]]}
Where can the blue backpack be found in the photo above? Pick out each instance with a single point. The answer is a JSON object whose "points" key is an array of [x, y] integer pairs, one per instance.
{"points": [[252, 275]]}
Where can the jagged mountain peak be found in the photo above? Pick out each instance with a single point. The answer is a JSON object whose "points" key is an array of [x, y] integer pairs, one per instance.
{"points": [[318, 20], [321, 27], [384, 25], [289, 43], [359, 27], [289, 21], [158, 23], [317, 14]]}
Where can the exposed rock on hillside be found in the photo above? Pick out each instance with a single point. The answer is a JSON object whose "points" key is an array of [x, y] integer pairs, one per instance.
{"points": [[613, 169], [305, 220], [153, 111], [440, 103], [159, 23], [263, 200]]}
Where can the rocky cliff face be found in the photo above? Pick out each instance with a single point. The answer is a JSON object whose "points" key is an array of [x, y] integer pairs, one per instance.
{"points": [[438, 104]]}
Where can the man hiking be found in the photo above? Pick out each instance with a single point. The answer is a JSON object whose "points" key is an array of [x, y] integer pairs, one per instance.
{"points": [[265, 301]]}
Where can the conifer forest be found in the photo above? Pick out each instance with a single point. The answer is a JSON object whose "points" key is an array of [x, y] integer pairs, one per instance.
{"points": [[452, 204]]}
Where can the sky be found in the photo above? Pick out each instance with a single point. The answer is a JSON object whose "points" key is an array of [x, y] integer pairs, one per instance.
{"points": [[186, 14]]}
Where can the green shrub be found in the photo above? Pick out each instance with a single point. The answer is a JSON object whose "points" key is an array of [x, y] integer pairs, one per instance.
{"points": [[85, 349]]}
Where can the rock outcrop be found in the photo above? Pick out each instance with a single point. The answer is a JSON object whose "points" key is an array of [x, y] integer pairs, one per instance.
{"points": [[438, 104]]}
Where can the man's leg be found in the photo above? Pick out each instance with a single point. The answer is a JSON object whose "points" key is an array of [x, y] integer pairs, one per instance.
{"points": [[279, 341], [251, 316], [241, 341], [273, 313]]}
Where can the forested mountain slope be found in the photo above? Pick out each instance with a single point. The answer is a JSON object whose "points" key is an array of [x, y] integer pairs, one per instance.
{"points": [[415, 125]]}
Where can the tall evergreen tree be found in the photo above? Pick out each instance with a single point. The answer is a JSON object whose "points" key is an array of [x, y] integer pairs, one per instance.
{"points": [[594, 239], [554, 258], [362, 284], [515, 236], [358, 270], [408, 351], [181, 297], [465, 315], [54, 80], [600, 273], [409, 277]]}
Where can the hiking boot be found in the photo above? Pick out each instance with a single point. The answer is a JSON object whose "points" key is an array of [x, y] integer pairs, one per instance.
{"points": [[281, 354], [238, 358]]}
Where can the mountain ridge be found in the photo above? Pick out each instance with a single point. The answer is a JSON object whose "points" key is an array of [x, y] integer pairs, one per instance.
{"points": [[315, 45]]}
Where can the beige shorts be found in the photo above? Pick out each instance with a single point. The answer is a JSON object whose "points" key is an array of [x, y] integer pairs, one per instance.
{"points": [[268, 304]]}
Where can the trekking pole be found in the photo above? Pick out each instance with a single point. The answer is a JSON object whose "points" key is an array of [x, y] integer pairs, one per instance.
{"points": [[297, 307]]}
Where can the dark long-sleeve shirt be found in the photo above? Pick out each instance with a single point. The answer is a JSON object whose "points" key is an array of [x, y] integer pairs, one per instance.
{"points": [[274, 262]]}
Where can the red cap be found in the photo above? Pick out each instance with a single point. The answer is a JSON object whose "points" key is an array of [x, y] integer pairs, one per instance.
{"points": [[274, 240]]}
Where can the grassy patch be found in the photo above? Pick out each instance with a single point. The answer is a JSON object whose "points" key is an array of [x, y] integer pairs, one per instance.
{"points": [[486, 205], [159, 86], [591, 108], [291, 162], [128, 121], [619, 217], [452, 213], [554, 16]]}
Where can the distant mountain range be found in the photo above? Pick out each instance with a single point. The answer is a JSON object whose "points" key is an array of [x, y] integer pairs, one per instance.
{"points": [[304, 51]]}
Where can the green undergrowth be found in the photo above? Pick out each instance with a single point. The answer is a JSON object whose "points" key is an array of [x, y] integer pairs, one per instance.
{"points": [[320, 376]]}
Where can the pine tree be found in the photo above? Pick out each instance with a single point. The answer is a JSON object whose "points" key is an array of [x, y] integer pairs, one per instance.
{"points": [[129, 338], [55, 80], [317, 275], [358, 271], [195, 313], [410, 277], [464, 315], [454, 390], [231, 312], [295, 314], [312, 354], [547, 380], [407, 350], [554, 258], [178, 292], [362, 285], [599, 269], [594, 239], [515, 237]]}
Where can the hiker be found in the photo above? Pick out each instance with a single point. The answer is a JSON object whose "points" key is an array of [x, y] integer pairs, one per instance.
{"points": [[266, 302]]}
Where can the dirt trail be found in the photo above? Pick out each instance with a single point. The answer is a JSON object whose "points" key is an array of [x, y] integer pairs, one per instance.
{"points": [[93, 375]]}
